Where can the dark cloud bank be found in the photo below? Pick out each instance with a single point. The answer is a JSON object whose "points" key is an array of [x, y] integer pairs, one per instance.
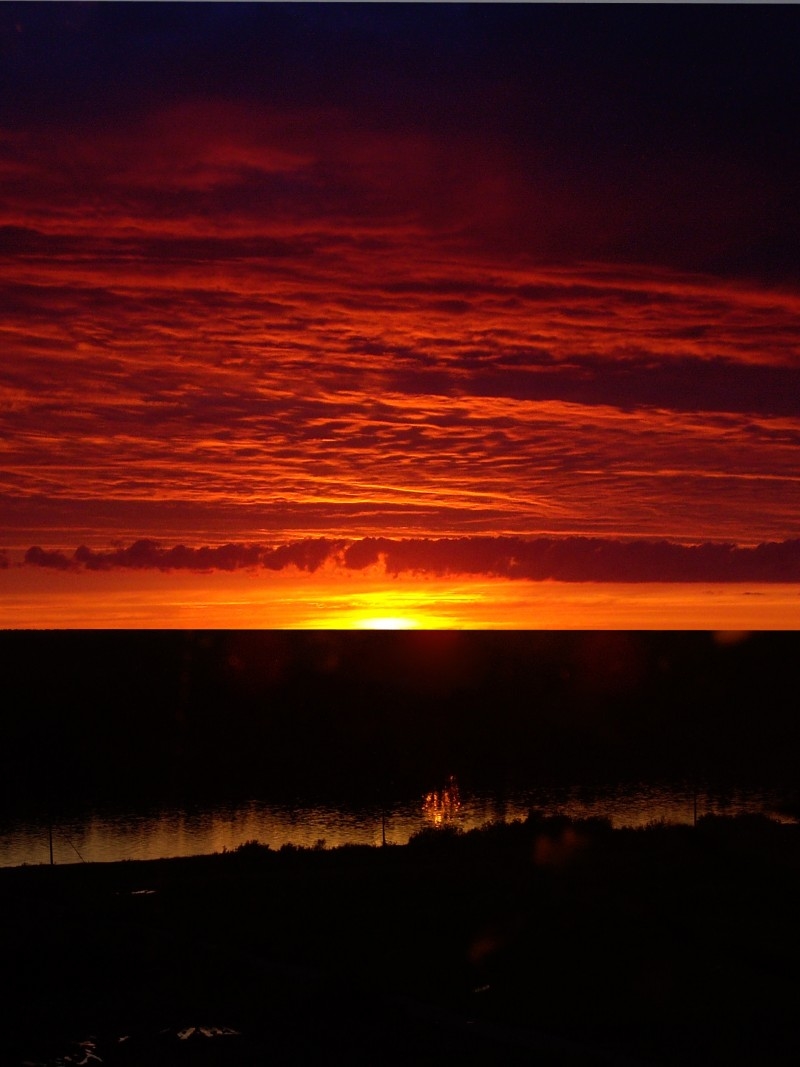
{"points": [[572, 559]]}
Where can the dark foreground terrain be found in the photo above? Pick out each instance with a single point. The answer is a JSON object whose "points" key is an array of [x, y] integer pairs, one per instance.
{"points": [[543, 942]]}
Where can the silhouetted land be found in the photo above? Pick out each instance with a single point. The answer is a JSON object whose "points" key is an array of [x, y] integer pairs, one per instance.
{"points": [[545, 941], [668, 946], [154, 715]]}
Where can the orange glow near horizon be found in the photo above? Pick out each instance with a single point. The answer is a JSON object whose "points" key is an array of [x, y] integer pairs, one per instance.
{"points": [[111, 600]]}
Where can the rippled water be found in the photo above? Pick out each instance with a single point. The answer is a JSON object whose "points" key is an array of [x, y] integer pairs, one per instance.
{"points": [[97, 837]]}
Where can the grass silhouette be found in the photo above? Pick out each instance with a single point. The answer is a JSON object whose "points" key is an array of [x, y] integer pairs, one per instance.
{"points": [[666, 944]]}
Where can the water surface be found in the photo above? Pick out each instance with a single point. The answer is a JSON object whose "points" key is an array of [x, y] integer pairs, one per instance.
{"points": [[111, 835]]}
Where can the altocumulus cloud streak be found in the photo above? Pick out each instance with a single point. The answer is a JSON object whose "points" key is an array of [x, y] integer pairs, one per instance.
{"points": [[444, 289]]}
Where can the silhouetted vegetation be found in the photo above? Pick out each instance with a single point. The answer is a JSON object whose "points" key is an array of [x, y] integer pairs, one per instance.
{"points": [[564, 938], [670, 944]]}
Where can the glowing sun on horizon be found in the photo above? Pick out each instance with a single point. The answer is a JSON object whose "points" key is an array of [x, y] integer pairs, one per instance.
{"points": [[388, 622]]}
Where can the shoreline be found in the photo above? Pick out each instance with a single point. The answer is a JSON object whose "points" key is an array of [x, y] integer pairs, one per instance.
{"points": [[588, 944], [110, 832]]}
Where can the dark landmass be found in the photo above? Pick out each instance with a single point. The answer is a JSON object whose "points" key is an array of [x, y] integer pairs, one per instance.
{"points": [[164, 715], [547, 941]]}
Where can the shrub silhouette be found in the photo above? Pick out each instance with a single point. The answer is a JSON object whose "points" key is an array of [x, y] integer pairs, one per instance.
{"points": [[435, 837]]}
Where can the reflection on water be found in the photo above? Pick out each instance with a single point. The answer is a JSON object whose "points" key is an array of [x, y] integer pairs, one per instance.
{"points": [[120, 835], [155, 1044], [442, 805], [206, 1031]]}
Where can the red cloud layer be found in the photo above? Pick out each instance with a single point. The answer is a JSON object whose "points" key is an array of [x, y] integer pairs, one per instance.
{"points": [[228, 318]]}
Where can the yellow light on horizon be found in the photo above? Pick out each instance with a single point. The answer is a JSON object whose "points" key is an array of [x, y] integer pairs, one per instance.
{"points": [[388, 622], [394, 606], [42, 599]]}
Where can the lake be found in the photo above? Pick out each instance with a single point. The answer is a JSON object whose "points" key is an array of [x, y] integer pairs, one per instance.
{"points": [[113, 834]]}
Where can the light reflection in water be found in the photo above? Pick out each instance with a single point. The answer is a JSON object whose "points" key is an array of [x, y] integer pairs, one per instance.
{"points": [[105, 837], [442, 805]]}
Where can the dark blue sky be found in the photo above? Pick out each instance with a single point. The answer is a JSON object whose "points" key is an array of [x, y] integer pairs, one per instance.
{"points": [[674, 127]]}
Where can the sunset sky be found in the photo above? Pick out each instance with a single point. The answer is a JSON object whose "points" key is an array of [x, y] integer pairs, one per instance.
{"points": [[402, 315]]}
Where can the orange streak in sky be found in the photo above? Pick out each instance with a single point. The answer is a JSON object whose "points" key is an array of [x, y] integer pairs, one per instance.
{"points": [[32, 599]]}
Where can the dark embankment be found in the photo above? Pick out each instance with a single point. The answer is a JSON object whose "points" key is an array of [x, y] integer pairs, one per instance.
{"points": [[547, 942], [144, 716]]}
